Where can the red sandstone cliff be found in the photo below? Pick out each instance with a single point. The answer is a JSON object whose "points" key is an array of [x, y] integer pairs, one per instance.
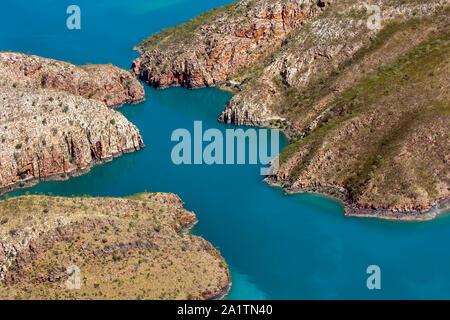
{"points": [[209, 49]]}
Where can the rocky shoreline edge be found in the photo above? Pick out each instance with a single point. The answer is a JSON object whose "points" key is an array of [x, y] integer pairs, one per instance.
{"points": [[223, 293], [129, 101], [340, 194], [225, 290], [64, 176], [125, 234]]}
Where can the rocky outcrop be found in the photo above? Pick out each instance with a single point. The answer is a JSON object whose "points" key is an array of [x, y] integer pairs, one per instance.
{"points": [[48, 133], [106, 83], [118, 248], [210, 49], [313, 52]]}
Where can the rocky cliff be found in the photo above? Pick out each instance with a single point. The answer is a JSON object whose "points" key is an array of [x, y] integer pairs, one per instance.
{"points": [[213, 47], [364, 106], [314, 53], [47, 132], [105, 248], [106, 83]]}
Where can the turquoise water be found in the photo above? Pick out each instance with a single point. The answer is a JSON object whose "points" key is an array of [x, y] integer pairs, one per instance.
{"points": [[278, 247]]}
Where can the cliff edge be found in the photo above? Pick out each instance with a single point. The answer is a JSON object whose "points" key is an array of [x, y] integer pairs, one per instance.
{"points": [[50, 130], [211, 48]]}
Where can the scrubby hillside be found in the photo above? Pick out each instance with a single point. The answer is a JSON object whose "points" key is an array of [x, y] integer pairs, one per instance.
{"points": [[385, 140], [134, 248], [366, 109]]}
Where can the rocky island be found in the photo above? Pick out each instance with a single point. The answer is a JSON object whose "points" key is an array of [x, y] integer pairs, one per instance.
{"points": [[56, 119], [106, 248], [365, 106]]}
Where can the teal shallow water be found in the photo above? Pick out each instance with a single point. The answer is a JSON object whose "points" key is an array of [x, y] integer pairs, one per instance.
{"points": [[278, 247]]}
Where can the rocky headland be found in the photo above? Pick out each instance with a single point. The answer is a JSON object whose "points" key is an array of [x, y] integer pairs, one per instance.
{"points": [[56, 119], [106, 248], [103, 82], [214, 46], [365, 106]]}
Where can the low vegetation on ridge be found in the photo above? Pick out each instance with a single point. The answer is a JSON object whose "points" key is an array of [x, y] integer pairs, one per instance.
{"points": [[384, 139], [133, 248]]}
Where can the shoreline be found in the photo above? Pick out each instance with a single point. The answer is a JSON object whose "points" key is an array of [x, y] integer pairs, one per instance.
{"points": [[129, 102], [225, 290], [440, 207], [15, 247], [64, 176], [340, 194]]}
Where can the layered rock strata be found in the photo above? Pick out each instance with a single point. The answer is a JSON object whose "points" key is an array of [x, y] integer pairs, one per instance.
{"points": [[213, 47], [51, 131], [107, 83]]}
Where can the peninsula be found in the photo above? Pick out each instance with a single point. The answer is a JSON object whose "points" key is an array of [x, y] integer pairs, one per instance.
{"points": [[106, 248]]}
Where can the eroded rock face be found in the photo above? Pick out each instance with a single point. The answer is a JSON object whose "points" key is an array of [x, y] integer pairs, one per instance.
{"points": [[106, 83], [50, 134], [207, 50], [313, 52], [119, 248]]}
